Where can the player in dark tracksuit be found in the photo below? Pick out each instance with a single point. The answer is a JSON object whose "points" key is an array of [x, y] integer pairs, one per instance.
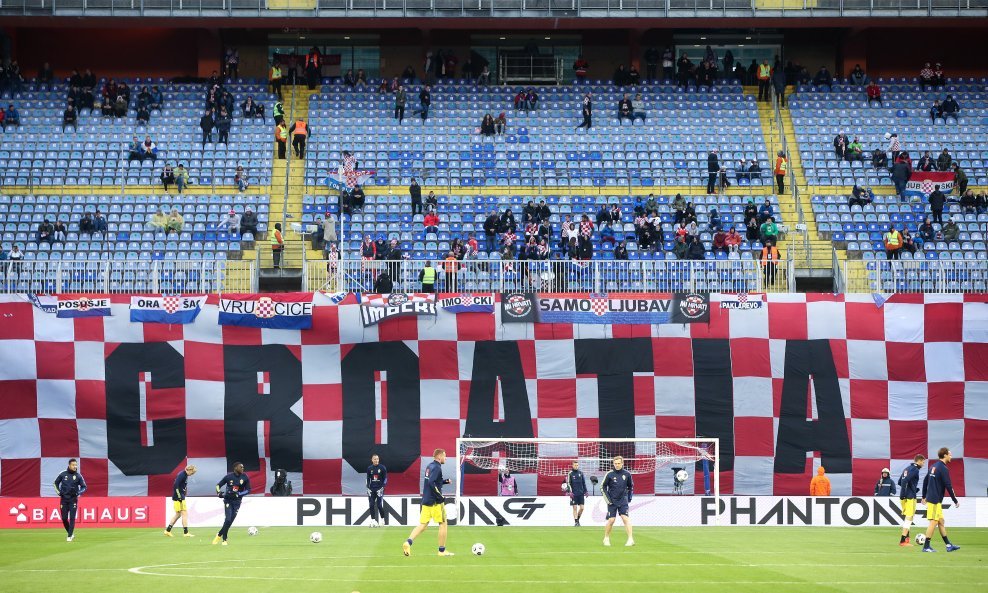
{"points": [[617, 490], [908, 492], [577, 484], [232, 488], [377, 479], [69, 485], [180, 489], [936, 485]]}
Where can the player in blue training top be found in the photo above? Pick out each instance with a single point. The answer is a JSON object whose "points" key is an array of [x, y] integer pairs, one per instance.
{"points": [[232, 489], [935, 485], [908, 491], [179, 490], [577, 486], [69, 485], [433, 504], [617, 490], [377, 479]]}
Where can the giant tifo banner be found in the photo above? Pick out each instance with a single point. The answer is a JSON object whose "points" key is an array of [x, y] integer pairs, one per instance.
{"points": [[787, 383]]}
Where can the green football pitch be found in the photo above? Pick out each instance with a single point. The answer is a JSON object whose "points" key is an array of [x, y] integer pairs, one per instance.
{"points": [[527, 560]]}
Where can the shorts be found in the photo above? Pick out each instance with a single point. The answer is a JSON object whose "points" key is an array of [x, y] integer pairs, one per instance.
{"points": [[577, 500], [613, 510], [908, 507], [934, 511], [434, 512], [180, 505]]}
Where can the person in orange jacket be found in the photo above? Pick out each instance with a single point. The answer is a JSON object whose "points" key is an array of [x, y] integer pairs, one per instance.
{"points": [[820, 484]]}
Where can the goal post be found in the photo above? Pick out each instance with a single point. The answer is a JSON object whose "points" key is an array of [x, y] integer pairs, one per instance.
{"points": [[656, 460]]}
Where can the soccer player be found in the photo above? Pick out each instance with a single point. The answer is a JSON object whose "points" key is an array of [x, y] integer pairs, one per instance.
{"points": [[935, 485], [908, 489], [377, 479], [69, 485], [232, 489], [577, 491], [433, 504], [179, 490], [617, 490]]}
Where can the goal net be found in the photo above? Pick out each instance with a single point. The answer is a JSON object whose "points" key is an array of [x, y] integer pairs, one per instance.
{"points": [[661, 467]]}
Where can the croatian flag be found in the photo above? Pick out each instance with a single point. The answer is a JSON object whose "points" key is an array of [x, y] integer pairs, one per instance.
{"points": [[165, 309], [347, 177], [271, 311], [82, 307], [922, 183]]}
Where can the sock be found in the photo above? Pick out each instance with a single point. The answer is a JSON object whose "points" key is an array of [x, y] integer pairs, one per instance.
{"points": [[903, 539], [929, 541], [442, 548], [170, 527], [184, 529], [945, 540], [409, 540]]}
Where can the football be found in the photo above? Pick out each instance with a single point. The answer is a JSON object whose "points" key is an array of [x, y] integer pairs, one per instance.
{"points": [[315, 537], [565, 487], [252, 531], [478, 549], [920, 539], [682, 475]]}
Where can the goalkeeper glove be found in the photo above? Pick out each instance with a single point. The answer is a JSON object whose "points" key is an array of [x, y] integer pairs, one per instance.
{"points": [[368, 492]]}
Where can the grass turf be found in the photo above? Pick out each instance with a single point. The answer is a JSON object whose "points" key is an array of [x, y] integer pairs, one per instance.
{"points": [[529, 560]]}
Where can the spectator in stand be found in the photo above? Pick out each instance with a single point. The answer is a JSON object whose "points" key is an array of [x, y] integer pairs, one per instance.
{"points": [[637, 109], [232, 62], [487, 126], [231, 223], [937, 201], [432, 201], [587, 112], [874, 93], [634, 77], [249, 108], [59, 232], [44, 233], [968, 202], [820, 484], [857, 77], [206, 124], [625, 110], [900, 176], [490, 229], [750, 210], [732, 241], [425, 102], [3, 119], [823, 78], [240, 179], [620, 251], [926, 162], [855, 151], [779, 86], [500, 124], [944, 161], [13, 117], [143, 115], [86, 224], [860, 196], [765, 211], [741, 171], [668, 64], [960, 179], [950, 230], [981, 203], [879, 159], [415, 193], [223, 123], [159, 220], [719, 242], [401, 98], [893, 243], [135, 151], [175, 222], [358, 198], [769, 231], [484, 78], [120, 107], [713, 169], [926, 234], [680, 249], [696, 250], [939, 78], [99, 221], [840, 145], [926, 77], [313, 68], [70, 118], [580, 68], [248, 222], [936, 111], [531, 100], [950, 108], [149, 150], [586, 238], [167, 177], [181, 177], [519, 100], [431, 222], [607, 234], [157, 98], [507, 222], [713, 222]]}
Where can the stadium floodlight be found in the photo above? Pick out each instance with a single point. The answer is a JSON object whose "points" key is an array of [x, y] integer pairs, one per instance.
{"points": [[553, 457]]}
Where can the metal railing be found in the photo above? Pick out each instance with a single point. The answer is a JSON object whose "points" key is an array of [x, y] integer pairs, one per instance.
{"points": [[598, 276], [513, 69], [123, 276], [936, 276], [496, 8]]}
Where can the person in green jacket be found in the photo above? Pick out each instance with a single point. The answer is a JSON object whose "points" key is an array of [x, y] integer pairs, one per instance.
{"points": [[769, 231], [680, 249], [279, 112], [651, 205], [960, 179], [400, 99]]}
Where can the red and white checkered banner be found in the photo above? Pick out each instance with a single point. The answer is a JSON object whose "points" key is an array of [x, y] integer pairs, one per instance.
{"points": [[801, 381], [922, 183]]}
